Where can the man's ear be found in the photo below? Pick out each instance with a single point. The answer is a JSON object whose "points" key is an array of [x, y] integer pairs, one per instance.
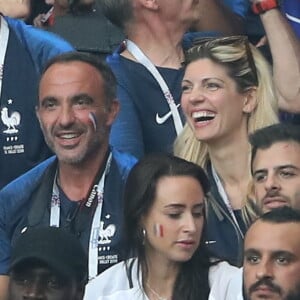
{"points": [[250, 100], [113, 112], [37, 113]]}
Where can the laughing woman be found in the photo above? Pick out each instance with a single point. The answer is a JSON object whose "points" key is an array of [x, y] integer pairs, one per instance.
{"points": [[227, 93], [164, 220]]}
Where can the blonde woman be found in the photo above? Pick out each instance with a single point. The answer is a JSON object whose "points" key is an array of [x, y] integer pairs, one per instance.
{"points": [[227, 93]]}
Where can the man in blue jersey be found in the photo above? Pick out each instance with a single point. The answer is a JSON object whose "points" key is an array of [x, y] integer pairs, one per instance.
{"points": [[81, 189], [23, 53]]}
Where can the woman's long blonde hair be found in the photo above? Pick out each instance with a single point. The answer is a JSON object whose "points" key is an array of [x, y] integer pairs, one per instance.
{"points": [[248, 68]]}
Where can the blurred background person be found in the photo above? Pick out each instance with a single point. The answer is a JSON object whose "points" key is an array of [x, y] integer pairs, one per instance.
{"points": [[60, 8], [15, 8], [24, 52], [83, 24]]}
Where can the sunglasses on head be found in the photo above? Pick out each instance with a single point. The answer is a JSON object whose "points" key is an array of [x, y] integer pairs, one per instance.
{"points": [[230, 40]]}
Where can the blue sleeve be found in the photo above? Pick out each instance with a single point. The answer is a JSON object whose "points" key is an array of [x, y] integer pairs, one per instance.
{"points": [[239, 7], [125, 162], [126, 133], [41, 44], [291, 8], [5, 247], [14, 198]]}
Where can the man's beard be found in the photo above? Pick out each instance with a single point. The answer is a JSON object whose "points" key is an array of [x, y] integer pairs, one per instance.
{"points": [[94, 144], [292, 294]]}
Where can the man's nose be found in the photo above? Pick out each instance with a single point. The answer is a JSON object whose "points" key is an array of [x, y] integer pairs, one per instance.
{"points": [[264, 270], [66, 116], [34, 290], [272, 183]]}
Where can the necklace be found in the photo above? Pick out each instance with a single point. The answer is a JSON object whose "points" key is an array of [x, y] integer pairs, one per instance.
{"points": [[157, 295]]}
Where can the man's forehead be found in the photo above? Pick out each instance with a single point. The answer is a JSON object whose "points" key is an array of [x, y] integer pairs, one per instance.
{"points": [[278, 154], [273, 236], [36, 266], [74, 69]]}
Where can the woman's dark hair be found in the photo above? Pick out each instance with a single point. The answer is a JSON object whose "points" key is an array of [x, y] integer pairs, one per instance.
{"points": [[140, 192]]}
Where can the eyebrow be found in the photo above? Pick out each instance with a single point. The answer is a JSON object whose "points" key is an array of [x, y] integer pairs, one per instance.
{"points": [[285, 253], [82, 95], [73, 98], [274, 254], [177, 205], [204, 79], [214, 78], [251, 251], [281, 167]]}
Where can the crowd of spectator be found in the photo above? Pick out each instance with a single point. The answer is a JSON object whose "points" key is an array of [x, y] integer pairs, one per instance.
{"points": [[150, 149]]}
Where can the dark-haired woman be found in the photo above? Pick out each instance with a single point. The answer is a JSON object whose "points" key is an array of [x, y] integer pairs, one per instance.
{"points": [[164, 220]]}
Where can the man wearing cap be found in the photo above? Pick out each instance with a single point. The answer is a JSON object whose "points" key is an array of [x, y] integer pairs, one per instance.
{"points": [[47, 263]]}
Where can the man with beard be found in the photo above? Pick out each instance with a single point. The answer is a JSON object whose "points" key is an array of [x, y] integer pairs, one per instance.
{"points": [[272, 256], [80, 190], [276, 166]]}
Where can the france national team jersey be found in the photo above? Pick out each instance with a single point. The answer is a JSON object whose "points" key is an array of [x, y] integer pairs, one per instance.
{"points": [[291, 8], [21, 140], [24, 50]]}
